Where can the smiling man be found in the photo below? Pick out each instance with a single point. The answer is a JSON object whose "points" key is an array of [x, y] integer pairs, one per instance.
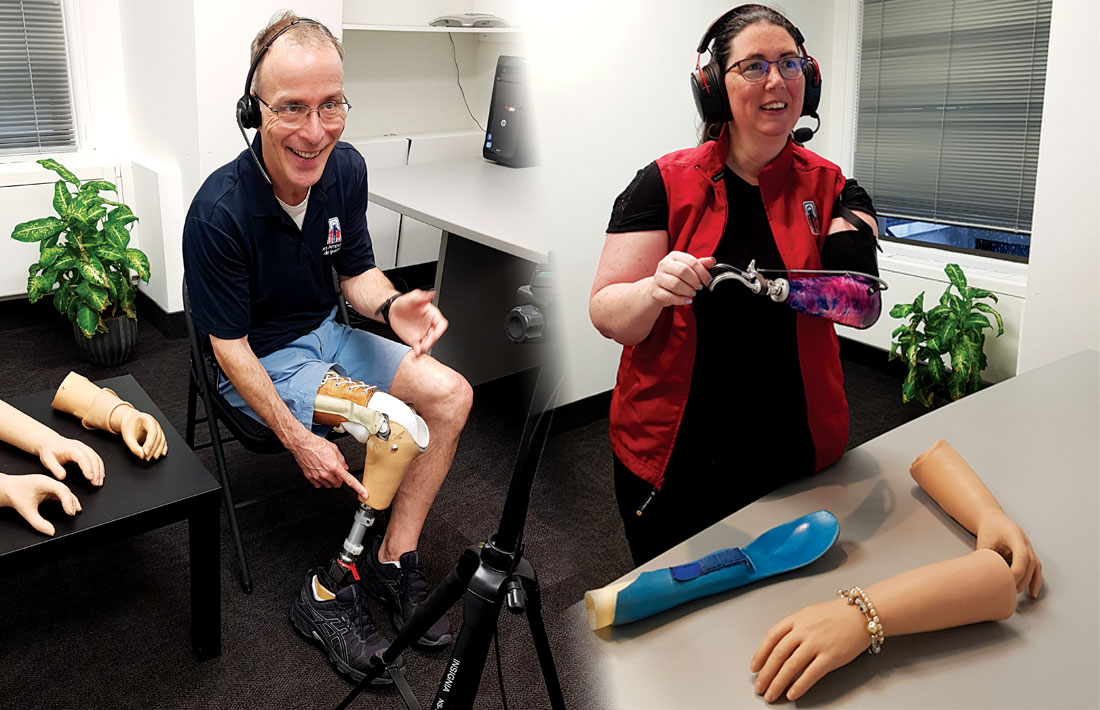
{"points": [[261, 240]]}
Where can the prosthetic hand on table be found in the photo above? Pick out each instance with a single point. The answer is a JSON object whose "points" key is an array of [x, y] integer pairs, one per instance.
{"points": [[394, 435], [52, 449], [966, 590], [100, 408], [25, 493]]}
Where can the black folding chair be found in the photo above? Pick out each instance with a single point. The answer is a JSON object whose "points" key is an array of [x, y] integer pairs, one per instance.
{"points": [[254, 436]]}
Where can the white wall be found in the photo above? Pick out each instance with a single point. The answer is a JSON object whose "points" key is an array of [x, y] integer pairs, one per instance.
{"points": [[1062, 312]]}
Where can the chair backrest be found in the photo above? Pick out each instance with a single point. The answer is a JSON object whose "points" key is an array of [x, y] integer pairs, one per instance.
{"points": [[203, 363]]}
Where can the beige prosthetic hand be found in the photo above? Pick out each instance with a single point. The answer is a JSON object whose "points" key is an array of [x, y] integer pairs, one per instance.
{"points": [[52, 449], [394, 434], [826, 636], [948, 479], [26, 493], [100, 408]]}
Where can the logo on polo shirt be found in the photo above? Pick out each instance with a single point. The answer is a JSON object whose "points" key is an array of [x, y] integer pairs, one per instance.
{"points": [[332, 244], [810, 210]]}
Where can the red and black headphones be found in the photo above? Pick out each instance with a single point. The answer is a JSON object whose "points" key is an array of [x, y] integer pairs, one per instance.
{"points": [[708, 84]]}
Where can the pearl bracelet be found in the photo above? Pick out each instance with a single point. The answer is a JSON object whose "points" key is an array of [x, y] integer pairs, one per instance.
{"points": [[857, 596]]}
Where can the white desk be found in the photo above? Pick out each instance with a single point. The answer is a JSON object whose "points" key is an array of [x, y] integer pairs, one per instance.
{"points": [[1034, 440], [492, 241]]}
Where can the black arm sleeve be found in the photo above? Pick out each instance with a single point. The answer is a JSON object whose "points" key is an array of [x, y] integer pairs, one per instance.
{"points": [[643, 205], [853, 249]]}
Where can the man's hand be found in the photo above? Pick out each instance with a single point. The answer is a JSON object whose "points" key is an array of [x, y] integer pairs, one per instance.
{"points": [[26, 493], [57, 451], [416, 320], [323, 465]]}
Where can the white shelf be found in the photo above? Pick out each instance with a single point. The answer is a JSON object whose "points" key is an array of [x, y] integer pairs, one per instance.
{"points": [[429, 28]]}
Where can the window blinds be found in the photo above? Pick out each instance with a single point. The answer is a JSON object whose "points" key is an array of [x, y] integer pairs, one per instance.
{"points": [[949, 110], [36, 113]]}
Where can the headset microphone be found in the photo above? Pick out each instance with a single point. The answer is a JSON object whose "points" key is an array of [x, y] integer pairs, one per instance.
{"points": [[804, 134], [255, 157]]}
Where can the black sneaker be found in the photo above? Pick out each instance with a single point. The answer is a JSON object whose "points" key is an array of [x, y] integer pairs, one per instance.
{"points": [[402, 590], [340, 623]]}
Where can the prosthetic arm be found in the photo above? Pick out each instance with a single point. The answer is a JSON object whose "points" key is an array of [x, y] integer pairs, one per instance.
{"points": [[394, 435], [845, 297], [52, 449], [100, 408], [784, 548]]}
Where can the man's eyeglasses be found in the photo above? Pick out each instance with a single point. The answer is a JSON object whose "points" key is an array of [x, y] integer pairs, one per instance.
{"points": [[755, 70], [296, 115]]}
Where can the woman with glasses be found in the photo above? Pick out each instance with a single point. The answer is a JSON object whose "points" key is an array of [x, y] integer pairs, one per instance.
{"points": [[724, 396]]}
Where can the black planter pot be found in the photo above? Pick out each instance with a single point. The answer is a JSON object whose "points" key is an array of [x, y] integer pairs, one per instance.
{"points": [[113, 347]]}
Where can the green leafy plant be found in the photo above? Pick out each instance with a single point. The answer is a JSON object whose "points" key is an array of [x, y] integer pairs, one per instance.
{"points": [[955, 329], [84, 252]]}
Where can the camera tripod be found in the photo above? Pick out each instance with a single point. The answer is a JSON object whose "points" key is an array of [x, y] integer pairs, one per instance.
{"points": [[486, 577]]}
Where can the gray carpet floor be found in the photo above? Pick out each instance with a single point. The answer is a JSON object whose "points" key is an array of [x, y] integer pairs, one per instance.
{"points": [[110, 628]]}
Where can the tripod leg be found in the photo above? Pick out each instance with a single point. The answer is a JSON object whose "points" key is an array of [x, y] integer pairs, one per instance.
{"points": [[526, 575]]}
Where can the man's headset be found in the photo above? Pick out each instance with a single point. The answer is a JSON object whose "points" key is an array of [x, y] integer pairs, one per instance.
{"points": [[248, 106], [708, 84]]}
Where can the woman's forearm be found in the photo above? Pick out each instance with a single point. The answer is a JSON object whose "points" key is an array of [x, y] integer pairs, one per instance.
{"points": [[624, 312]]}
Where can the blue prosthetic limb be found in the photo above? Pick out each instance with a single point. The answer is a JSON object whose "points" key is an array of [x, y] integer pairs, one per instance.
{"points": [[783, 548]]}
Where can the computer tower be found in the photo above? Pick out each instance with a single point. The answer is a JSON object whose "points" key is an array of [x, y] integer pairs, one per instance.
{"points": [[509, 135]]}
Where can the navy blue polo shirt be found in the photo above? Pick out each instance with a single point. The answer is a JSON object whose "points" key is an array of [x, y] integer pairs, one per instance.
{"points": [[251, 271]]}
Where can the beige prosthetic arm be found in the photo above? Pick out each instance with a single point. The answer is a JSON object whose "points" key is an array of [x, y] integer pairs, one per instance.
{"points": [[952, 483], [100, 408], [52, 449], [826, 636], [26, 493]]}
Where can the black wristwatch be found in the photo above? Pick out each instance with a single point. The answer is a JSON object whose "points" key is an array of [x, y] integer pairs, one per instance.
{"points": [[384, 309]]}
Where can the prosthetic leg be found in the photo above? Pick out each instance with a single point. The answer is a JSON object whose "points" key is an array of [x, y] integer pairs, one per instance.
{"points": [[394, 435]]}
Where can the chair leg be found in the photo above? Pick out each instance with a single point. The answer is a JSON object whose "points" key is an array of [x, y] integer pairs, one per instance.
{"points": [[192, 396], [227, 494]]}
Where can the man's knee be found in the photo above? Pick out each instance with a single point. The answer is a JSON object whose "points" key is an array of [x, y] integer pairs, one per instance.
{"points": [[458, 398]]}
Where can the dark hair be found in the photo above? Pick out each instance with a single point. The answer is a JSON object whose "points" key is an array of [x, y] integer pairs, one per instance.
{"points": [[309, 33], [737, 20]]}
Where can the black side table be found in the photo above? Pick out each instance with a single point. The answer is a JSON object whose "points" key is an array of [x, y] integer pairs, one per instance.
{"points": [[136, 497]]}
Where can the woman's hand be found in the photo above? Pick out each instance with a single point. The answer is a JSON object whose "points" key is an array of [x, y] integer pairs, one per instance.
{"points": [[678, 276], [25, 493], [997, 532], [417, 321], [56, 451], [813, 641]]}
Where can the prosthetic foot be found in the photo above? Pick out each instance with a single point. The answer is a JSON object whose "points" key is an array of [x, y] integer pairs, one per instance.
{"points": [[394, 435], [784, 548]]}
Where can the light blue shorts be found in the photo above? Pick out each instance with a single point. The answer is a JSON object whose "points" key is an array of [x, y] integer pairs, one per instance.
{"points": [[298, 368]]}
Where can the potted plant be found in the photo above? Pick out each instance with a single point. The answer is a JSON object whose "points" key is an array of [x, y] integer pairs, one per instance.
{"points": [[84, 253], [955, 329]]}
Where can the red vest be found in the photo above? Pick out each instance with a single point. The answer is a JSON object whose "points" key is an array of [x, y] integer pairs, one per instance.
{"points": [[654, 376]]}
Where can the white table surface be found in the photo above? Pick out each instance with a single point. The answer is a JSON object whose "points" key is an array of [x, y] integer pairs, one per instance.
{"points": [[1033, 439], [488, 203]]}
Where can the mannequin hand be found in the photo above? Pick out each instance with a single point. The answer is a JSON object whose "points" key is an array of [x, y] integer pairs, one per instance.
{"points": [[58, 451], [813, 641], [323, 465], [142, 434], [26, 493], [416, 320], [998, 533], [678, 276]]}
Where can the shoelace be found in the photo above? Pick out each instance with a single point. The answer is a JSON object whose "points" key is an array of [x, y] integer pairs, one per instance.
{"points": [[360, 622], [344, 381], [416, 584]]}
